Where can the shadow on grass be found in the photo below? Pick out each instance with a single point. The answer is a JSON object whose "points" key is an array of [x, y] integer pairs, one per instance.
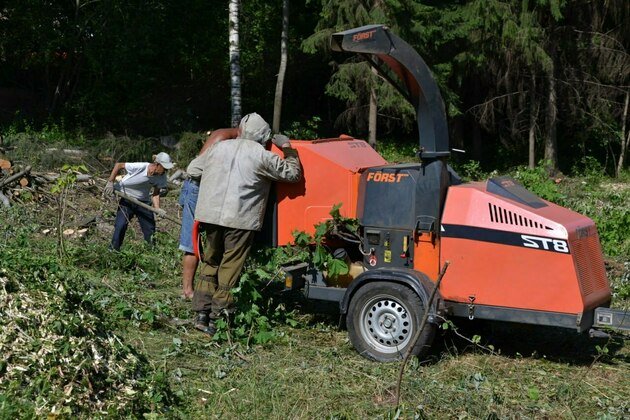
{"points": [[512, 340], [319, 312], [532, 341]]}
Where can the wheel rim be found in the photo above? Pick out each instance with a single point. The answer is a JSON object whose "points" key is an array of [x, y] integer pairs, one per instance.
{"points": [[386, 324]]}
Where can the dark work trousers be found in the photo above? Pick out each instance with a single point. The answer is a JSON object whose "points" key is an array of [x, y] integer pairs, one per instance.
{"points": [[224, 254], [126, 211]]}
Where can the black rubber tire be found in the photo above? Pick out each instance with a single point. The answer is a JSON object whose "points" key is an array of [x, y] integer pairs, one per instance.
{"points": [[382, 319]]}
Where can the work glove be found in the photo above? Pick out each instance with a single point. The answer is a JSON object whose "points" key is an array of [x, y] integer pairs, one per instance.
{"points": [[280, 140], [160, 213], [108, 191]]}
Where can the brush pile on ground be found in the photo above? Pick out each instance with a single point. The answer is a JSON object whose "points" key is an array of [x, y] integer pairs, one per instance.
{"points": [[60, 358]]}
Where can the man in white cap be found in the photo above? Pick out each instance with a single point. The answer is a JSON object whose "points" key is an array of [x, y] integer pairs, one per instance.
{"points": [[235, 182], [143, 181]]}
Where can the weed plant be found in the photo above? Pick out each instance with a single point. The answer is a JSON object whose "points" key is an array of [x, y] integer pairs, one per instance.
{"points": [[538, 181]]}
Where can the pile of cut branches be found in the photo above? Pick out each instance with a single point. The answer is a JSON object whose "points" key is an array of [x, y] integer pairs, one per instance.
{"points": [[60, 358], [18, 183]]}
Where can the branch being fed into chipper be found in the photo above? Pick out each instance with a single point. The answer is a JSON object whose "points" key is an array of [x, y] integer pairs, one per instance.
{"points": [[146, 206]]}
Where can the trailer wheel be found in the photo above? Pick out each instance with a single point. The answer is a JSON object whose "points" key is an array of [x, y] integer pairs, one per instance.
{"points": [[382, 320]]}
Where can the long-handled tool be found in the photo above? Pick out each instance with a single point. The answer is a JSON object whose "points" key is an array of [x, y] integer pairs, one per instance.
{"points": [[145, 206]]}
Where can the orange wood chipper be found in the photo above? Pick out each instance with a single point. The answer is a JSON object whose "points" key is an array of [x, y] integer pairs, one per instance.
{"points": [[513, 256]]}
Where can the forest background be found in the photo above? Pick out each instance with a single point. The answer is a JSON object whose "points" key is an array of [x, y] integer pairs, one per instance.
{"points": [[532, 88], [523, 81]]}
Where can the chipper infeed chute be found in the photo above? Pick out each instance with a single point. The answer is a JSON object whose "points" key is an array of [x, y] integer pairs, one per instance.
{"points": [[402, 66]]}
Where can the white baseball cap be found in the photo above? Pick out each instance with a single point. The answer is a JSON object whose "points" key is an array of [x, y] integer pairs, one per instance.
{"points": [[164, 159]]}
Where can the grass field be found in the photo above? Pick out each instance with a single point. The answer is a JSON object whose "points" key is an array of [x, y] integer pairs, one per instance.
{"points": [[308, 368], [313, 372]]}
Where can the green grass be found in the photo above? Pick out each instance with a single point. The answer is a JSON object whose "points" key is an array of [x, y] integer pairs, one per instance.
{"points": [[309, 369], [313, 372]]}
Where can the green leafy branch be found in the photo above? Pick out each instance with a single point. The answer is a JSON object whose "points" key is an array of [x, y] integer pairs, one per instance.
{"points": [[339, 227], [67, 179], [259, 308]]}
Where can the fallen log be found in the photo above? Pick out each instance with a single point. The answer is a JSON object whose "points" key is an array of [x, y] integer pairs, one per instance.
{"points": [[5, 164], [53, 177], [145, 206], [72, 152], [15, 177]]}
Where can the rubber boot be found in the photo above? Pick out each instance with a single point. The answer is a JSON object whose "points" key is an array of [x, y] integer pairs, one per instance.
{"points": [[203, 324]]}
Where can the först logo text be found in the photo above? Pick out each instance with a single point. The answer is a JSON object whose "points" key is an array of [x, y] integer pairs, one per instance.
{"points": [[362, 36], [385, 177]]}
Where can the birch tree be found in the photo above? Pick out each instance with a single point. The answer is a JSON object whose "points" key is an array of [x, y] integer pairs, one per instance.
{"points": [[599, 79], [235, 68], [625, 136], [277, 104]]}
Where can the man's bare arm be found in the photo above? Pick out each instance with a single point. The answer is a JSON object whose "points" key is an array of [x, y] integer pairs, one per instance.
{"points": [[155, 198], [117, 168], [219, 135]]}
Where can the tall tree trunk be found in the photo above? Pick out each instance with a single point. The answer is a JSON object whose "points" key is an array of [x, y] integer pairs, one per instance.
{"points": [[235, 67], [277, 103], [477, 146], [551, 145], [533, 116], [625, 136], [373, 113]]}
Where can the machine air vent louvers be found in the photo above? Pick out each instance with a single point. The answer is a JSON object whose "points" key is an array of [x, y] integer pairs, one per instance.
{"points": [[590, 264], [507, 217]]}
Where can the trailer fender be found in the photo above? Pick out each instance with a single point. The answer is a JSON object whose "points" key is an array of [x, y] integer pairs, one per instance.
{"points": [[415, 280]]}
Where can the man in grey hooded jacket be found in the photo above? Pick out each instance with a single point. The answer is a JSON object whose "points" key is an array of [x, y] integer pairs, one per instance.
{"points": [[235, 182]]}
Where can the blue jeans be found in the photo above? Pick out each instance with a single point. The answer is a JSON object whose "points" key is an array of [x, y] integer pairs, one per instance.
{"points": [[126, 211], [188, 200]]}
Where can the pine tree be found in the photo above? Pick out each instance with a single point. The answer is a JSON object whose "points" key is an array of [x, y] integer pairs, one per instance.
{"points": [[353, 80]]}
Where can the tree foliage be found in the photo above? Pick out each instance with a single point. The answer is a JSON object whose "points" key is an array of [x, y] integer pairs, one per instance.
{"points": [[352, 80], [522, 80]]}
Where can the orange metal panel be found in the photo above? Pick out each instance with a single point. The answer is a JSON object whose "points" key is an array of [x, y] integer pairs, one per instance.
{"points": [[550, 259], [589, 266], [331, 176], [510, 276], [426, 255]]}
